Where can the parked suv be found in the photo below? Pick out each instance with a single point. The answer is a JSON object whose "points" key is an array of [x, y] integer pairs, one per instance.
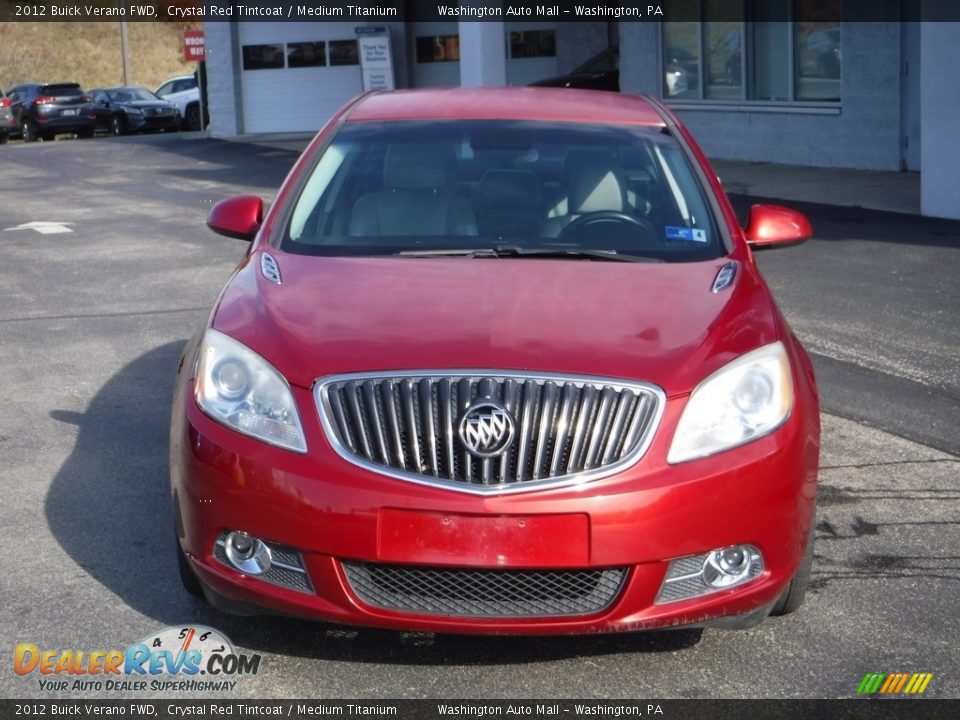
{"points": [[7, 123], [42, 111], [185, 94]]}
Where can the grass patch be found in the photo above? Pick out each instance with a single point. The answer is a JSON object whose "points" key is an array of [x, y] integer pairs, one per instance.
{"points": [[90, 53]]}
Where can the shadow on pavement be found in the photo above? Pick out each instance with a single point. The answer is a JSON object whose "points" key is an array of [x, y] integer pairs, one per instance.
{"points": [[109, 508], [834, 222]]}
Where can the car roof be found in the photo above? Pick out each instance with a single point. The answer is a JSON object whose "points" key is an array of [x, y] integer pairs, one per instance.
{"points": [[515, 103]]}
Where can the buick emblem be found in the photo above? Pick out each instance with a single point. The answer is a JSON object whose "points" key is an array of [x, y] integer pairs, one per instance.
{"points": [[486, 429]]}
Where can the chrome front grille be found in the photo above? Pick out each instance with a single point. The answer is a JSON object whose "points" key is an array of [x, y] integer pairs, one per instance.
{"points": [[468, 592], [563, 427]]}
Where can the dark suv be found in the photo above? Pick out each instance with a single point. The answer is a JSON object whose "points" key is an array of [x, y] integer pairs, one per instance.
{"points": [[42, 111]]}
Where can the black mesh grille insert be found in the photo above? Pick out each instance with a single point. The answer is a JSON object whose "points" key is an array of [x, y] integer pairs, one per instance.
{"points": [[465, 592]]}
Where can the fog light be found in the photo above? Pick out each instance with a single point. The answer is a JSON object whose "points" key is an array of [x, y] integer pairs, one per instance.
{"points": [[265, 560], [728, 566], [247, 554], [717, 570]]}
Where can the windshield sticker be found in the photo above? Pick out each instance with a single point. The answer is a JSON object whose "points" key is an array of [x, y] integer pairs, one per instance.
{"points": [[683, 233]]}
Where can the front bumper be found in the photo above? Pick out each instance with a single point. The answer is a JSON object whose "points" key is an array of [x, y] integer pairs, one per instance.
{"points": [[335, 513], [152, 123]]}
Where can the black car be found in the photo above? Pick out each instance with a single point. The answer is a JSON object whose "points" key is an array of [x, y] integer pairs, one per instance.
{"points": [[7, 123], [44, 110], [123, 110], [601, 72]]}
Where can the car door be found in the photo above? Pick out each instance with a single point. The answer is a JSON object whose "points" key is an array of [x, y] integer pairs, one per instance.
{"points": [[102, 109], [183, 91], [17, 104]]}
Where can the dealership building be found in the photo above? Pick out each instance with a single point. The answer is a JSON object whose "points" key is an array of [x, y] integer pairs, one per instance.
{"points": [[880, 95]]}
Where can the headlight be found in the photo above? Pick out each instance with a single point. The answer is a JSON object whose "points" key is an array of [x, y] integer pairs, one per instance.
{"points": [[240, 389], [744, 400]]}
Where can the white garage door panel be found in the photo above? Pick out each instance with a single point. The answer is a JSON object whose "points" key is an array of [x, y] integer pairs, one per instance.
{"points": [[269, 32], [295, 99]]}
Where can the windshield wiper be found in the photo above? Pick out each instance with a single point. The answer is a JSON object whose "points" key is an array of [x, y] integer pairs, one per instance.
{"points": [[512, 251]]}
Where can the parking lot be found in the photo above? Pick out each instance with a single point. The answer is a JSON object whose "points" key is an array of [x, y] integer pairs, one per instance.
{"points": [[106, 268]]}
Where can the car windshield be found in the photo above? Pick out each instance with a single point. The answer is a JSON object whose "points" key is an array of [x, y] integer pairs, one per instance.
{"points": [[503, 188], [123, 95]]}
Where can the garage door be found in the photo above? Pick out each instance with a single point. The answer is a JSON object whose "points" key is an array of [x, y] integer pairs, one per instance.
{"points": [[530, 48], [295, 76]]}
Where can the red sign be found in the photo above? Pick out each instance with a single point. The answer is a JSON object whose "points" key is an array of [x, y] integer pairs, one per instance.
{"points": [[193, 46]]}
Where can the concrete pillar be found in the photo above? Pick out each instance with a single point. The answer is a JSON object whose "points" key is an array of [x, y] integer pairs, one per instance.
{"points": [[223, 87], [483, 54], [939, 120], [639, 64]]}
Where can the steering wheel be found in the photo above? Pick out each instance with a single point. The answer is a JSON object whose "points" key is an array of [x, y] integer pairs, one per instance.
{"points": [[607, 216]]}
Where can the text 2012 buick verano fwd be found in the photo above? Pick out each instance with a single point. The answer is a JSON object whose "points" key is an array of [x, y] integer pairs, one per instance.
{"points": [[498, 361]]}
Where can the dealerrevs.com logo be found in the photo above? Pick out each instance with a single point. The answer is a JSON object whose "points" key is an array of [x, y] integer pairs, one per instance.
{"points": [[192, 658]]}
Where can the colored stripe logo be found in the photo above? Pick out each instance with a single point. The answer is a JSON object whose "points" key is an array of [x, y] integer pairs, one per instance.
{"points": [[894, 683]]}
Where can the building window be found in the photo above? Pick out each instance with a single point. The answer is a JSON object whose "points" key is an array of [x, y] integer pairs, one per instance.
{"points": [[533, 44], [306, 54], [263, 57], [438, 48], [744, 50], [344, 52], [818, 53]]}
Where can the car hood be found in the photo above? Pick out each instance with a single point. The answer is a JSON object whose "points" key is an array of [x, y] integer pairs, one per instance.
{"points": [[656, 322]]}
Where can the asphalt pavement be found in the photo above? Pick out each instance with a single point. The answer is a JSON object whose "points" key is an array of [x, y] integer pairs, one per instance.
{"points": [[98, 298]]}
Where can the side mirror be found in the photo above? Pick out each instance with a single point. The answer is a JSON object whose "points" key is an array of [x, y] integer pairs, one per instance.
{"points": [[237, 217], [770, 226]]}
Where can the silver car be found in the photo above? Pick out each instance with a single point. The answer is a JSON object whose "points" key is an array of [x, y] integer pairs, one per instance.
{"points": [[7, 123]]}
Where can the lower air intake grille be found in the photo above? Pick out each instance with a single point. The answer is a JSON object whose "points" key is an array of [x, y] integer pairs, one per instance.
{"points": [[459, 592]]}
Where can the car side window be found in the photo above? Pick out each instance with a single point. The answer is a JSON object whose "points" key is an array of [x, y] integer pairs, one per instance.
{"points": [[100, 97], [165, 89]]}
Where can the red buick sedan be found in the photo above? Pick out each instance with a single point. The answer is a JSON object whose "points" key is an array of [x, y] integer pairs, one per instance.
{"points": [[498, 361]]}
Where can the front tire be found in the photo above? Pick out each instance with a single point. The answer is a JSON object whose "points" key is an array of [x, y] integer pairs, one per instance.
{"points": [[117, 127], [28, 131], [792, 597], [192, 119]]}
